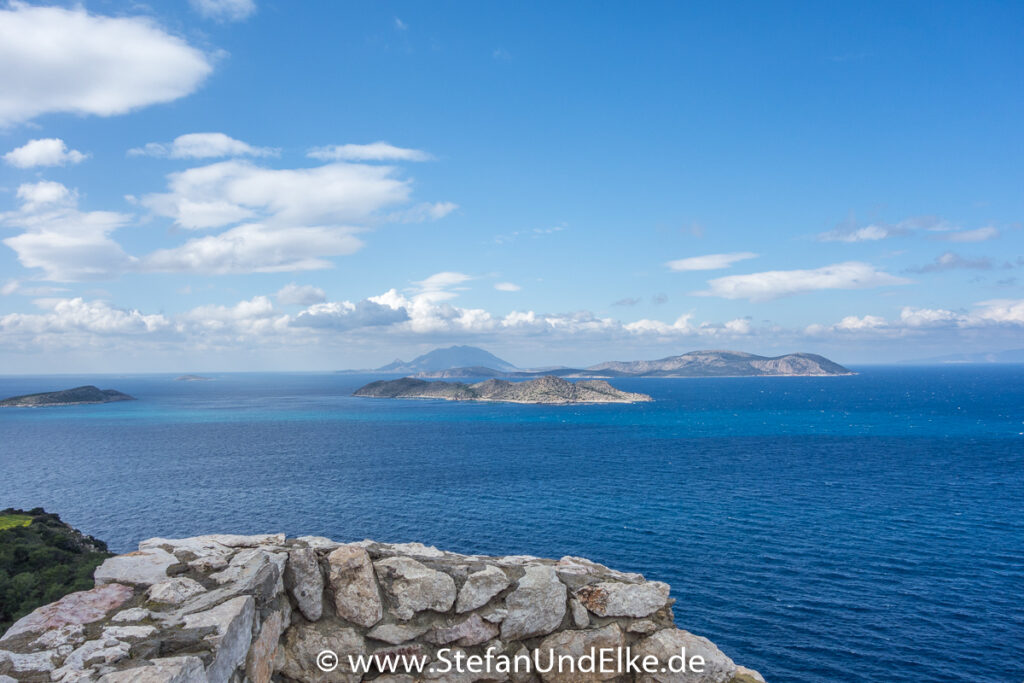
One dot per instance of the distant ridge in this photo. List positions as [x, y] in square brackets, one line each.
[451, 357]
[1011, 356]
[691, 364]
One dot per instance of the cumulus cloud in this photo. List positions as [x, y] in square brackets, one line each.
[230, 191]
[44, 152]
[375, 151]
[68, 60]
[224, 10]
[952, 261]
[255, 248]
[710, 261]
[507, 287]
[79, 316]
[300, 295]
[345, 315]
[201, 146]
[773, 284]
[977, 235]
[66, 243]
[991, 314]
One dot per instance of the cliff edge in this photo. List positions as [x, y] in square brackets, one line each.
[265, 608]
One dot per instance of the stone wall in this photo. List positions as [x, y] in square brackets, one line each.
[264, 608]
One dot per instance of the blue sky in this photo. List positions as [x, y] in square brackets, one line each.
[236, 184]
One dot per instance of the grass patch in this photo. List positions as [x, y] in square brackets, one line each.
[9, 521]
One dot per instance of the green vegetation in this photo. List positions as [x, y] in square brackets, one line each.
[8, 521]
[42, 559]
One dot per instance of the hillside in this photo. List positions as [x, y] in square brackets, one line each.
[550, 390]
[41, 560]
[66, 397]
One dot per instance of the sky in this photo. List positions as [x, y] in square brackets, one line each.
[242, 185]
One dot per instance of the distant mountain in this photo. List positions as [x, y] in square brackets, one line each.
[445, 359]
[67, 397]
[1011, 356]
[692, 364]
[548, 390]
[723, 364]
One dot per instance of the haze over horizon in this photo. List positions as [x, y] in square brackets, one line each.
[558, 184]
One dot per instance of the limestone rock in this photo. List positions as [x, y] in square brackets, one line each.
[580, 617]
[142, 567]
[305, 582]
[83, 607]
[643, 626]
[480, 587]
[576, 644]
[745, 675]
[233, 623]
[671, 642]
[536, 606]
[469, 632]
[174, 591]
[415, 587]
[100, 651]
[356, 596]
[396, 634]
[297, 656]
[254, 571]
[609, 599]
[128, 616]
[259, 664]
[166, 670]
[39, 662]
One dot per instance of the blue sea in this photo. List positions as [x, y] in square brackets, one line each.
[863, 528]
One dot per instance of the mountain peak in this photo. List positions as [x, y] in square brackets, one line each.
[447, 358]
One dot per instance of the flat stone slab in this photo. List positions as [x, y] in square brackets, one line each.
[83, 607]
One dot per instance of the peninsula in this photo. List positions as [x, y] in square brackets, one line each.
[66, 397]
[548, 389]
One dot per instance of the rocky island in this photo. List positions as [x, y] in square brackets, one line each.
[548, 389]
[68, 397]
[220, 608]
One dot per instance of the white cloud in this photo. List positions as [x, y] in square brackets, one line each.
[773, 284]
[952, 261]
[426, 211]
[985, 315]
[977, 235]
[68, 60]
[78, 315]
[44, 152]
[229, 191]
[66, 243]
[710, 261]
[201, 146]
[400, 25]
[224, 10]
[375, 151]
[507, 287]
[255, 248]
[440, 283]
[1001, 311]
[868, 233]
[300, 295]
[345, 315]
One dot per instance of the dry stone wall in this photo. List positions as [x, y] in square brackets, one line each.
[214, 609]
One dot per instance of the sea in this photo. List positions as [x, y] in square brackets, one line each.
[859, 528]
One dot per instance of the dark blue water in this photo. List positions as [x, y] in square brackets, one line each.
[866, 528]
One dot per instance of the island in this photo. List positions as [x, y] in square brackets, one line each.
[547, 390]
[192, 378]
[68, 397]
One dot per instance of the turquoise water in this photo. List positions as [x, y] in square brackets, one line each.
[865, 528]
